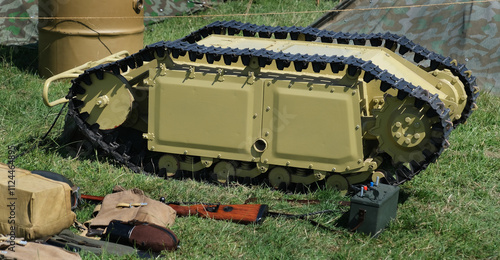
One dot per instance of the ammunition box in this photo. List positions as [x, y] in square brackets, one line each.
[372, 210]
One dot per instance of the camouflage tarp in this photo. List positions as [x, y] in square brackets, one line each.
[24, 31]
[16, 31]
[468, 32]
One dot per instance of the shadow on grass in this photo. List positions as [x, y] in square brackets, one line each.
[24, 57]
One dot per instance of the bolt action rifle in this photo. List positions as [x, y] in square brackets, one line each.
[238, 213]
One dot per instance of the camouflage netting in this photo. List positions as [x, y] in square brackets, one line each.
[24, 31]
[468, 32]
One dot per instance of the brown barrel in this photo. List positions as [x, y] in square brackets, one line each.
[72, 32]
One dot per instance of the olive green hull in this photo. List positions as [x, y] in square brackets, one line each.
[231, 108]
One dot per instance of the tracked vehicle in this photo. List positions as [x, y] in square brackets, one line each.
[290, 106]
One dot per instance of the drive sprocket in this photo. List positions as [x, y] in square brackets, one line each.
[404, 131]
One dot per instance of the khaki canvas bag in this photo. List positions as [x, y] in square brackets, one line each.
[145, 209]
[32, 206]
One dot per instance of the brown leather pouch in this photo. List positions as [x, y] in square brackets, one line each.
[142, 235]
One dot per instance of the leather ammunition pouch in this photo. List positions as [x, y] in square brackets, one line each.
[142, 235]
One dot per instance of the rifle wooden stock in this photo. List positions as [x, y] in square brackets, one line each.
[242, 213]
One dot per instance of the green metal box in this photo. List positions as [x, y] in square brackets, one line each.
[373, 209]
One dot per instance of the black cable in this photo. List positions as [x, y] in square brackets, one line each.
[86, 26]
[36, 144]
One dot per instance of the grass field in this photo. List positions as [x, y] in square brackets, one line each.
[451, 210]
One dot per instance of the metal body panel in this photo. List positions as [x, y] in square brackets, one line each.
[312, 126]
[204, 117]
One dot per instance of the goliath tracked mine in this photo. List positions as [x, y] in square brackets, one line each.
[289, 106]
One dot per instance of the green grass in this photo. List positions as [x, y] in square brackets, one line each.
[451, 210]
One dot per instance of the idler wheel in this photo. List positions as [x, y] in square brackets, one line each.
[107, 101]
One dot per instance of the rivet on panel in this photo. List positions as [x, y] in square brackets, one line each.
[310, 166]
[266, 160]
[287, 163]
[268, 108]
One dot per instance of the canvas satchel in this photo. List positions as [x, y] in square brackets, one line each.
[33, 206]
[132, 205]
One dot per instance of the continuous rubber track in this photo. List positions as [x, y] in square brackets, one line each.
[136, 156]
